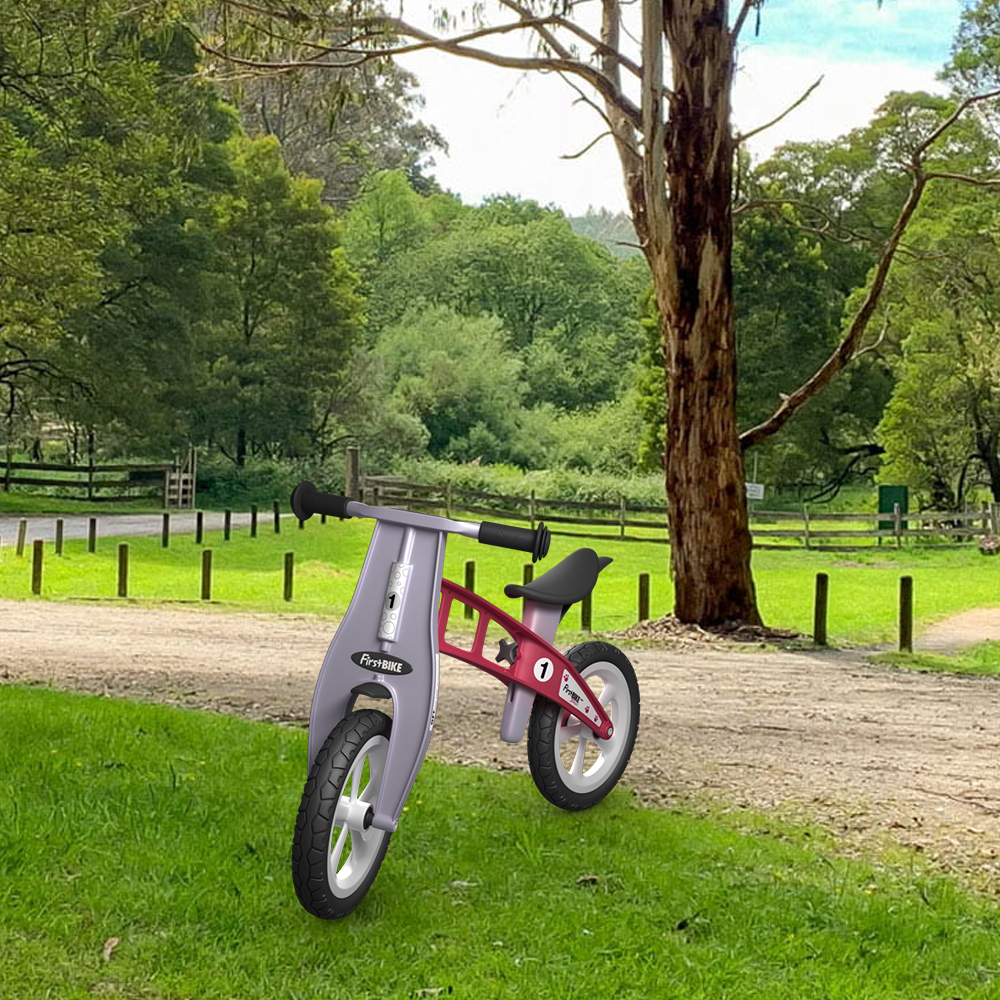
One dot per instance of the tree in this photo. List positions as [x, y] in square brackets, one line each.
[343, 127]
[676, 146]
[284, 310]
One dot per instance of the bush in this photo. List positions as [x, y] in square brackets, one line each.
[222, 484]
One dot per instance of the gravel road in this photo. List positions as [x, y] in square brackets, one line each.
[869, 751]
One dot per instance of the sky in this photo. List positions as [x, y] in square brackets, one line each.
[508, 131]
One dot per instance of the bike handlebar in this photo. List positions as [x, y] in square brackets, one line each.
[307, 500]
[535, 541]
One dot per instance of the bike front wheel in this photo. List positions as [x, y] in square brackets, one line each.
[337, 853]
[570, 767]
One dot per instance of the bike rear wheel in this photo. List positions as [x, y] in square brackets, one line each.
[570, 767]
[336, 853]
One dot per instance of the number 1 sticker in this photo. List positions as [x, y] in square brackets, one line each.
[543, 669]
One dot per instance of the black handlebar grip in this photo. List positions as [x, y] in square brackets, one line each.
[522, 539]
[307, 500]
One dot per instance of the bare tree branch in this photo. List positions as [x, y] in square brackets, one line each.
[847, 349]
[354, 56]
[987, 182]
[586, 149]
[742, 137]
[748, 5]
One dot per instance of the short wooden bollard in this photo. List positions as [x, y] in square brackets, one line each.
[302, 523]
[228, 525]
[470, 584]
[527, 575]
[253, 520]
[59, 536]
[277, 518]
[199, 530]
[92, 535]
[289, 574]
[123, 569]
[165, 532]
[586, 607]
[206, 574]
[36, 566]
[22, 533]
[644, 597]
[906, 614]
[322, 519]
[820, 609]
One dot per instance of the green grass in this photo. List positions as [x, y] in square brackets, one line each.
[248, 574]
[983, 659]
[170, 830]
[16, 503]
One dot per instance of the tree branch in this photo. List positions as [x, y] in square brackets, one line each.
[748, 5]
[848, 347]
[743, 136]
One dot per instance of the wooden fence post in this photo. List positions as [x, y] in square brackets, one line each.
[59, 536]
[805, 518]
[165, 532]
[206, 574]
[123, 569]
[351, 473]
[621, 516]
[897, 525]
[22, 532]
[92, 535]
[253, 520]
[995, 517]
[643, 597]
[585, 612]
[199, 531]
[289, 573]
[277, 518]
[36, 566]
[906, 614]
[470, 584]
[228, 528]
[820, 609]
[447, 500]
[527, 575]
[531, 509]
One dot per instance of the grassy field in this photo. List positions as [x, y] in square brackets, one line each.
[983, 659]
[248, 572]
[38, 503]
[170, 832]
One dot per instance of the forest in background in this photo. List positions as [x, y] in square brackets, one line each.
[267, 268]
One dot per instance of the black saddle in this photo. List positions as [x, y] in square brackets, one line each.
[566, 583]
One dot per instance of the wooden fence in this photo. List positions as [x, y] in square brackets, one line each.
[808, 529]
[173, 484]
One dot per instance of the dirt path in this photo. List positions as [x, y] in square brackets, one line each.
[865, 750]
[959, 631]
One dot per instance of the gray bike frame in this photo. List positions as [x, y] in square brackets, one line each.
[395, 611]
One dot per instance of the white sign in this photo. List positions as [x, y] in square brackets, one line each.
[755, 491]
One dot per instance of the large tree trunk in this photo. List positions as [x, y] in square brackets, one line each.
[692, 275]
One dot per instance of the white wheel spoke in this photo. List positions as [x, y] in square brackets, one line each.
[577, 768]
[568, 731]
[338, 848]
[340, 813]
[607, 694]
[359, 766]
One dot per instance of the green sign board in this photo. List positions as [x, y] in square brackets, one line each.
[888, 497]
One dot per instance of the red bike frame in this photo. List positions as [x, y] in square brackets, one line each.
[562, 684]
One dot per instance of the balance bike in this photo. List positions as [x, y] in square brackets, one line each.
[581, 708]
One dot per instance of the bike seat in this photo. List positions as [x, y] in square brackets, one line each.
[566, 583]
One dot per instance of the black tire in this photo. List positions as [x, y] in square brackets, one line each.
[548, 770]
[314, 825]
